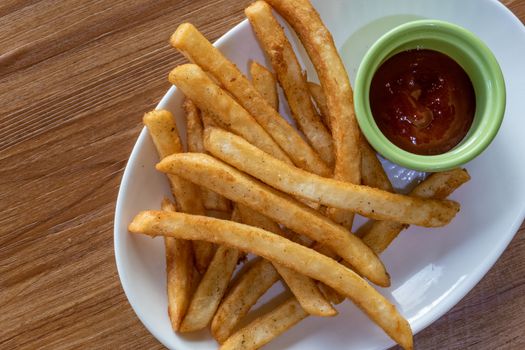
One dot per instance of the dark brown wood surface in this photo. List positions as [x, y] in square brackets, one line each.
[75, 78]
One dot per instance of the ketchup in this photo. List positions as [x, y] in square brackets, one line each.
[422, 101]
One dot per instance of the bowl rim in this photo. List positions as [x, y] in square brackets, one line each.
[473, 144]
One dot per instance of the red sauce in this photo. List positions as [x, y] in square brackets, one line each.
[423, 101]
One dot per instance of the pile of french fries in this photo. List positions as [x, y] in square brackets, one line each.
[251, 183]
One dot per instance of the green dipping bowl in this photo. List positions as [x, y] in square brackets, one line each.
[471, 54]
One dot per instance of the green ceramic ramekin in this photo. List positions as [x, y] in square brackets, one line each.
[471, 54]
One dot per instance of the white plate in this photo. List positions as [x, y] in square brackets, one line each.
[431, 269]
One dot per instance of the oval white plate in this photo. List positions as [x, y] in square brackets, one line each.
[431, 269]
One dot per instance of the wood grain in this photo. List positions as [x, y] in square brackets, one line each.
[75, 78]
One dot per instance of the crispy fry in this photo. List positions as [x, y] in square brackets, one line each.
[441, 185]
[328, 292]
[179, 273]
[210, 98]
[367, 201]
[282, 251]
[211, 200]
[438, 185]
[250, 286]
[302, 287]
[238, 187]
[316, 91]
[211, 288]
[193, 127]
[321, 49]
[264, 82]
[209, 121]
[267, 327]
[372, 171]
[165, 136]
[306, 292]
[289, 72]
[199, 50]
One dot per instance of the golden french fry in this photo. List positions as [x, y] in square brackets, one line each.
[441, 185]
[332, 74]
[267, 327]
[367, 201]
[289, 72]
[316, 91]
[306, 292]
[238, 187]
[302, 287]
[209, 121]
[165, 136]
[372, 172]
[329, 293]
[438, 185]
[193, 127]
[321, 49]
[264, 82]
[249, 287]
[211, 200]
[179, 273]
[188, 40]
[282, 251]
[211, 288]
[209, 97]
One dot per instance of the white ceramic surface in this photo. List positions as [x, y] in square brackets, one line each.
[431, 269]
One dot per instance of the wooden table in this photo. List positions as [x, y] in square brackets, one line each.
[75, 78]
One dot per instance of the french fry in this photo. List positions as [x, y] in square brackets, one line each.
[306, 292]
[212, 201]
[188, 40]
[289, 72]
[240, 188]
[267, 327]
[371, 202]
[302, 287]
[316, 91]
[332, 74]
[209, 121]
[441, 185]
[250, 286]
[193, 127]
[165, 136]
[282, 251]
[209, 97]
[179, 273]
[264, 82]
[328, 292]
[343, 217]
[438, 185]
[372, 172]
[211, 288]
